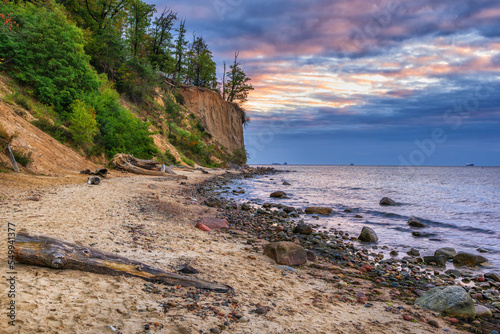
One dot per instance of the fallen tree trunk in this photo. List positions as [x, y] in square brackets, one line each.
[56, 253]
[11, 156]
[131, 164]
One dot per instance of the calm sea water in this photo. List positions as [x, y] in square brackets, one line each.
[459, 205]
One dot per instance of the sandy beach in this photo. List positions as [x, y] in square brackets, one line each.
[152, 220]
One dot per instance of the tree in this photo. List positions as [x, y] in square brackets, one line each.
[237, 87]
[161, 41]
[201, 69]
[102, 12]
[180, 48]
[83, 125]
[139, 19]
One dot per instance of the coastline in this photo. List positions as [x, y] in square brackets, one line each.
[152, 220]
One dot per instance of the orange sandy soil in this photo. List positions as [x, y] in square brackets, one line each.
[151, 219]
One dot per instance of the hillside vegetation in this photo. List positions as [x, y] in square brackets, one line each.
[103, 76]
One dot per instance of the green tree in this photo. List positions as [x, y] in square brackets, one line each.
[180, 49]
[139, 19]
[201, 69]
[161, 42]
[83, 125]
[236, 88]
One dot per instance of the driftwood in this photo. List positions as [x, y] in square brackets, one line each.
[131, 164]
[11, 155]
[56, 253]
[102, 172]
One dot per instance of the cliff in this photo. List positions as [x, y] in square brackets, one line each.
[223, 120]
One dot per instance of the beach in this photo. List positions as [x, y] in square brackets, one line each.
[152, 219]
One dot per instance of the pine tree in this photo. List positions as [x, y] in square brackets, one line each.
[236, 87]
[201, 69]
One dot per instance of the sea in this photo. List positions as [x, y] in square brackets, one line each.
[459, 205]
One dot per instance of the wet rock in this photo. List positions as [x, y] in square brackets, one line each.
[483, 311]
[368, 235]
[439, 260]
[318, 210]
[447, 252]
[286, 183]
[289, 209]
[453, 272]
[358, 216]
[214, 223]
[348, 210]
[387, 201]
[239, 191]
[213, 202]
[394, 253]
[453, 301]
[246, 207]
[494, 276]
[278, 194]
[311, 256]
[413, 252]
[302, 229]
[414, 222]
[482, 250]
[468, 259]
[286, 253]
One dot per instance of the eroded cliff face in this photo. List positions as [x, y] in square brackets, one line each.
[223, 120]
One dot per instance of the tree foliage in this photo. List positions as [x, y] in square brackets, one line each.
[236, 88]
[201, 69]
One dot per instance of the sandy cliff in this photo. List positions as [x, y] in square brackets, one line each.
[223, 120]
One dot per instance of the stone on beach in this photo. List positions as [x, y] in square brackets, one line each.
[447, 252]
[483, 311]
[413, 252]
[289, 209]
[286, 253]
[387, 201]
[439, 260]
[368, 235]
[214, 223]
[202, 227]
[213, 202]
[453, 301]
[494, 276]
[468, 259]
[414, 222]
[302, 229]
[278, 194]
[318, 210]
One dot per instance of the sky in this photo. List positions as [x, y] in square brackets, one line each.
[368, 82]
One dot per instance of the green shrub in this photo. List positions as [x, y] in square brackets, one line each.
[59, 133]
[188, 161]
[83, 126]
[22, 157]
[238, 157]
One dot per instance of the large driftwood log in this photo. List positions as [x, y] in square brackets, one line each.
[131, 164]
[56, 253]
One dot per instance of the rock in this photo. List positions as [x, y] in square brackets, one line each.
[358, 216]
[453, 272]
[494, 276]
[311, 256]
[302, 229]
[468, 259]
[214, 223]
[278, 194]
[453, 301]
[439, 260]
[348, 210]
[187, 269]
[433, 323]
[318, 210]
[240, 191]
[414, 222]
[246, 207]
[394, 253]
[387, 201]
[447, 252]
[286, 253]
[202, 227]
[413, 252]
[213, 202]
[483, 311]
[482, 250]
[94, 180]
[407, 317]
[289, 209]
[367, 235]
[286, 183]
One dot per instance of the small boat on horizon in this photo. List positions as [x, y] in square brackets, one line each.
[469, 165]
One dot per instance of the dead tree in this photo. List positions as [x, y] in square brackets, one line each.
[56, 253]
[11, 155]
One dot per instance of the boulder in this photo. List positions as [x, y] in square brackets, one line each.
[318, 210]
[286, 253]
[483, 311]
[453, 301]
[494, 276]
[289, 209]
[214, 223]
[278, 194]
[387, 201]
[414, 222]
[413, 252]
[440, 260]
[202, 227]
[468, 259]
[302, 229]
[213, 202]
[368, 235]
[447, 252]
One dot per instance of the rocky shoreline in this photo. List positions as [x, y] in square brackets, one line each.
[340, 260]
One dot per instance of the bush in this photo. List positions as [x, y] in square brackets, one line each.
[238, 157]
[188, 161]
[58, 132]
[23, 158]
[83, 126]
